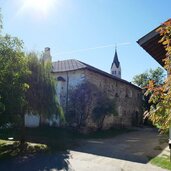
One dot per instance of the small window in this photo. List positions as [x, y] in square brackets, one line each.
[130, 93]
[116, 95]
[60, 78]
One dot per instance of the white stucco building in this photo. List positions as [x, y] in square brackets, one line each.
[70, 73]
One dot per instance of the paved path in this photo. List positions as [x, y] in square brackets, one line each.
[127, 152]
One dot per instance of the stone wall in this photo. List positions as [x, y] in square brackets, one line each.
[128, 100]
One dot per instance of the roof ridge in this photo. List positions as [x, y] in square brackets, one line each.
[107, 74]
[89, 67]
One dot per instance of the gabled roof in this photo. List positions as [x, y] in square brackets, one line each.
[67, 65]
[73, 64]
[115, 60]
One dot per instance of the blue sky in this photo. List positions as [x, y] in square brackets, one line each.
[87, 30]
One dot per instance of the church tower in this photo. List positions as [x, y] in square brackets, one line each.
[116, 67]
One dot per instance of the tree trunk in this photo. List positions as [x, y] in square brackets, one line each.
[100, 125]
[22, 134]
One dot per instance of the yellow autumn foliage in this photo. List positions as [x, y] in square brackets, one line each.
[160, 110]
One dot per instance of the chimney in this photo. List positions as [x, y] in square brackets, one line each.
[46, 55]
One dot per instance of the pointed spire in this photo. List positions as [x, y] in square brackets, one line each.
[116, 67]
[115, 60]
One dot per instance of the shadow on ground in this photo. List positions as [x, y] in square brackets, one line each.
[137, 146]
[38, 162]
[35, 158]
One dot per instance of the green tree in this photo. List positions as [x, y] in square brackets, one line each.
[160, 110]
[81, 102]
[26, 84]
[41, 96]
[13, 73]
[104, 107]
[142, 80]
[87, 101]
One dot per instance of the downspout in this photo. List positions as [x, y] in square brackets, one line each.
[66, 107]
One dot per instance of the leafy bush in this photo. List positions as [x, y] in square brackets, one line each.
[88, 101]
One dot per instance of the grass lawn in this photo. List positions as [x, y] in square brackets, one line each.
[11, 148]
[48, 139]
[162, 161]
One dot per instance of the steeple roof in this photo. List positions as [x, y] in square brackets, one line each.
[115, 60]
